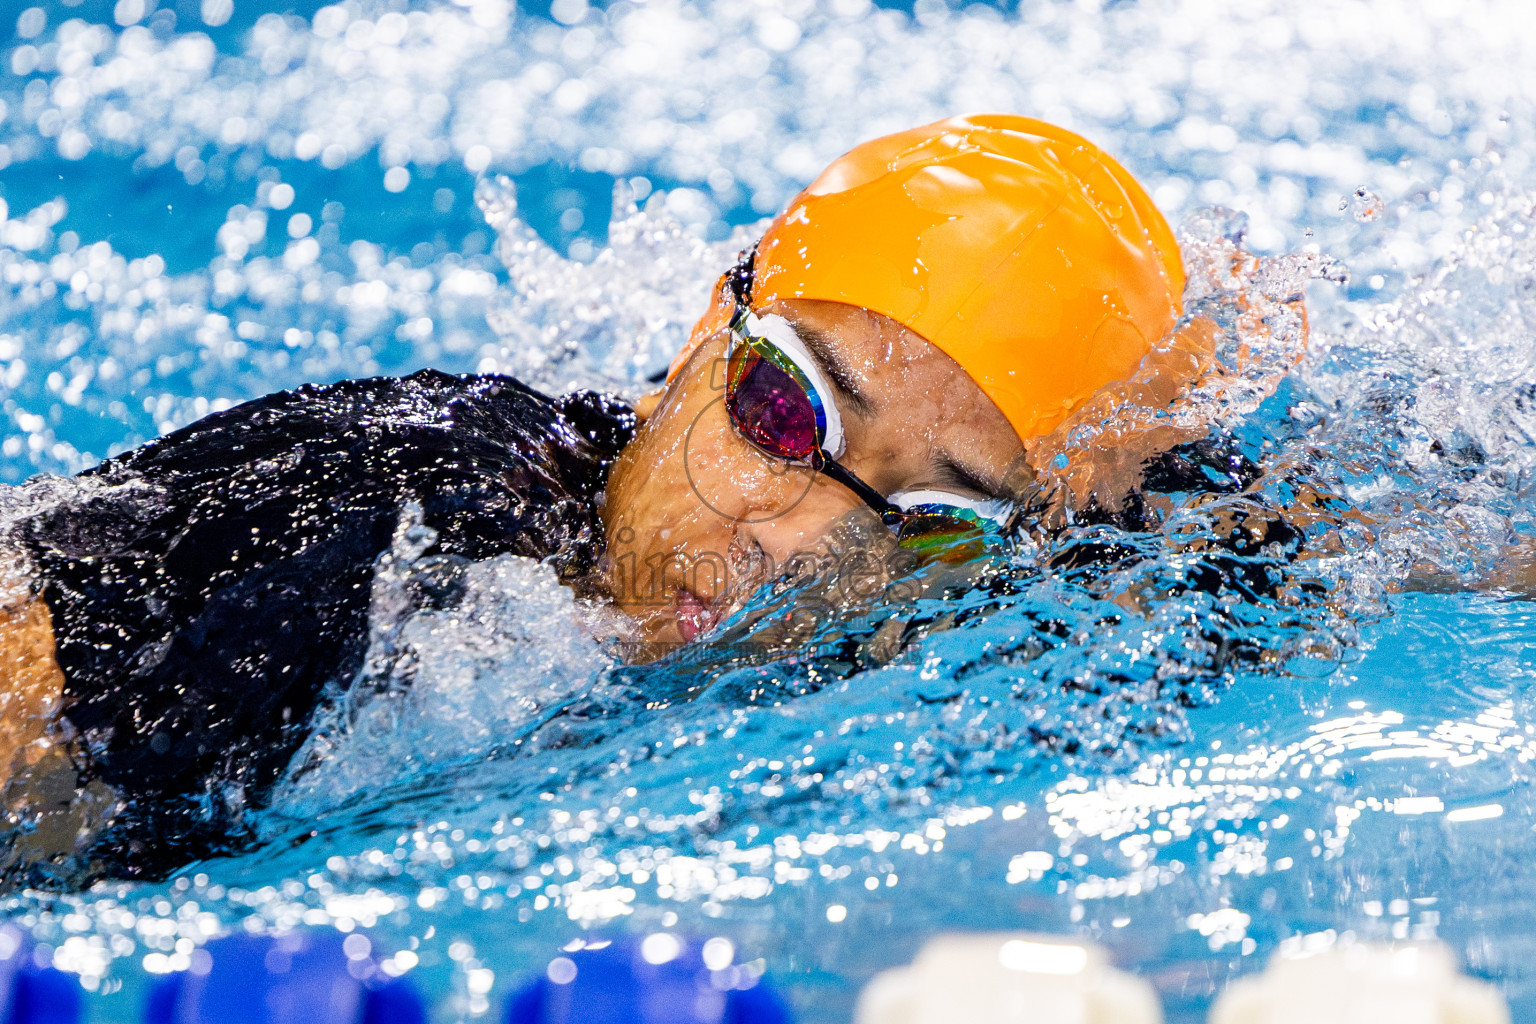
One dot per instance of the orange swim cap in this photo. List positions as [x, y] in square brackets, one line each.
[1022, 251]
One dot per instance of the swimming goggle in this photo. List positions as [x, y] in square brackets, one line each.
[781, 403]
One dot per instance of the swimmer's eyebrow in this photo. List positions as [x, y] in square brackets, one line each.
[835, 370]
[970, 479]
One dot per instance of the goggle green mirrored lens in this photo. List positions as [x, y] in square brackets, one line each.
[946, 535]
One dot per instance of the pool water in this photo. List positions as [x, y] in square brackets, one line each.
[205, 201]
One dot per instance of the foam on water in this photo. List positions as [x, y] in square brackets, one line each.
[1193, 780]
[442, 686]
[613, 322]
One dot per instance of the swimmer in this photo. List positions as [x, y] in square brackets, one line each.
[896, 346]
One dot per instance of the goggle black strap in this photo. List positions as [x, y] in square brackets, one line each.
[871, 497]
[739, 277]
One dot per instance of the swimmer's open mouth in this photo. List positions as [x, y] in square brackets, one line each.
[694, 616]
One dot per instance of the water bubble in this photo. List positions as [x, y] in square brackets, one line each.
[129, 12]
[777, 32]
[572, 95]
[561, 970]
[718, 953]
[568, 12]
[74, 144]
[1365, 205]
[216, 12]
[660, 948]
[31, 22]
[477, 158]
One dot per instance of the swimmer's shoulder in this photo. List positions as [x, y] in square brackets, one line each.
[491, 408]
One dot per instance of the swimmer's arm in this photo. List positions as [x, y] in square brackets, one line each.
[1515, 570]
[31, 684]
[1511, 572]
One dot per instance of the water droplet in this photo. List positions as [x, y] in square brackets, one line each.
[1366, 205]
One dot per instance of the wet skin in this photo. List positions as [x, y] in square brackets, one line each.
[695, 516]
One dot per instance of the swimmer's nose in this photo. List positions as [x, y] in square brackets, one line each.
[801, 530]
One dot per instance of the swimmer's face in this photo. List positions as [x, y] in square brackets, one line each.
[696, 516]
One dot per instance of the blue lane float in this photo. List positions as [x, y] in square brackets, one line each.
[661, 979]
[32, 992]
[298, 978]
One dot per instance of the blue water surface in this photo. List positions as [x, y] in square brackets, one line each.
[204, 202]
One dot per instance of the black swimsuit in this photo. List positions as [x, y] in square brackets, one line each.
[206, 588]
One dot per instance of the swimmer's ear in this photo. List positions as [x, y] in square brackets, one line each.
[647, 403]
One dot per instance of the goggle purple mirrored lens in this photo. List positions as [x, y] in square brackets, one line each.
[769, 407]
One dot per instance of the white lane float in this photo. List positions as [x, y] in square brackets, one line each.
[1008, 978]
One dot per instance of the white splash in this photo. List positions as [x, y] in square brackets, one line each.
[613, 321]
[448, 678]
